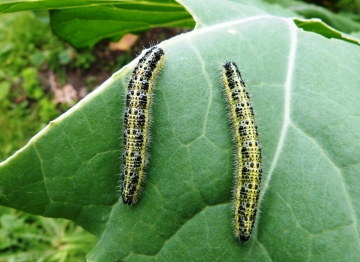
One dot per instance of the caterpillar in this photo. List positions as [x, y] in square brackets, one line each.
[248, 171]
[136, 122]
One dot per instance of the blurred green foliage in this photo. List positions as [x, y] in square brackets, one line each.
[31, 84]
[350, 6]
[27, 50]
[26, 237]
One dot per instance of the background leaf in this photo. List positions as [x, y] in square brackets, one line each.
[341, 21]
[86, 26]
[8, 6]
[83, 23]
[317, 26]
[305, 91]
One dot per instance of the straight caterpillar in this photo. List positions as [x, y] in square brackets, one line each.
[136, 122]
[248, 172]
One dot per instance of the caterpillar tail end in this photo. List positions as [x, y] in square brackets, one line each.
[244, 238]
[128, 200]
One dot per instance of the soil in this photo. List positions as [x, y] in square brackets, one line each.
[107, 62]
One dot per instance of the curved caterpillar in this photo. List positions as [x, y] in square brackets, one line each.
[136, 122]
[248, 173]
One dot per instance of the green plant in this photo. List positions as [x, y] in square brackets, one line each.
[28, 47]
[24, 40]
[31, 83]
[304, 87]
[347, 23]
[47, 110]
[350, 5]
[33, 238]
[27, 43]
[4, 92]
[28, 51]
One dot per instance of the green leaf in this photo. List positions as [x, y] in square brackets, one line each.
[9, 6]
[317, 26]
[339, 21]
[305, 92]
[343, 22]
[83, 27]
[83, 23]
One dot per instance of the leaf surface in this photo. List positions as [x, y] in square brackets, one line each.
[305, 92]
